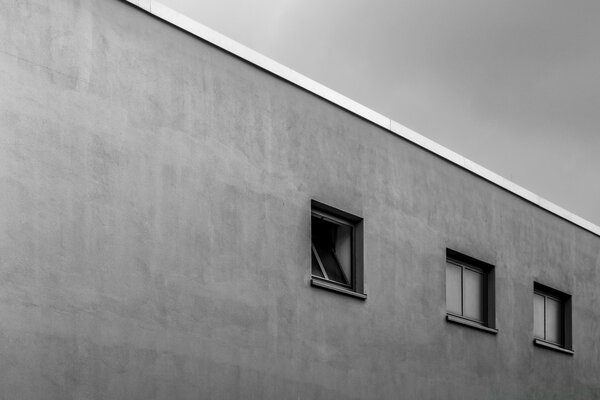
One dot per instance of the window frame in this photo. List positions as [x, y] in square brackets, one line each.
[355, 286]
[565, 300]
[488, 321]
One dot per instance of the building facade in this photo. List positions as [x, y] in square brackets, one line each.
[181, 218]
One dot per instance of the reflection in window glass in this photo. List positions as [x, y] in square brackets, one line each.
[472, 294]
[549, 316]
[553, 320]
[466, 293]
[453, 288]
[538, 315]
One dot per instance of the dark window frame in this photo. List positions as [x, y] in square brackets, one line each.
[565, 300]
[355, 285]
[488, 305]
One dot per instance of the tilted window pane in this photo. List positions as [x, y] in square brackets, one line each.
[538, 316]
[553, 321]
[343, 248]
[324, 238]
[453, 291]
[472, 294]
[316, 268]
[330, 263]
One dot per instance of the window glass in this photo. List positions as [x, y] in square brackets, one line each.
[538, 315]
[553, 320]
[324, 239]
[316, 268]
[453, 288]
[330, 263]
[343, 248]
[472, 294]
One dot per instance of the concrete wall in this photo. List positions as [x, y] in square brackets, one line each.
[155, 242]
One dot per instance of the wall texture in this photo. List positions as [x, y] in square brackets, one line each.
[155, 242]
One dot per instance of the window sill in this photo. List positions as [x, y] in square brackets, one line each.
[552, 346]
[334, 288]
[462, 321]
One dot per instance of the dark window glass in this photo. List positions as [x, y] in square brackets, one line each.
[317, 269]
[332, 250]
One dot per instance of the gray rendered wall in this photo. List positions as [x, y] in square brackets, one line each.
[154, 234]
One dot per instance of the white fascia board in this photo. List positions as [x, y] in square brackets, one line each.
[197, 29]
[145, 4]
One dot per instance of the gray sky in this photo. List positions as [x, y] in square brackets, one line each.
[513, 85]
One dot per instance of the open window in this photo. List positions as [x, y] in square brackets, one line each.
[336, 250]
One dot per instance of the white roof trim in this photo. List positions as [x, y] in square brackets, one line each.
[173, 17]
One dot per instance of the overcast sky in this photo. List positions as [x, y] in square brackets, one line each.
[513, 85]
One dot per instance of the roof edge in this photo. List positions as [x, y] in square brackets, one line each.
[181, 21]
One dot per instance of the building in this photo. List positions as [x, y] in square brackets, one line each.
[182, 218]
